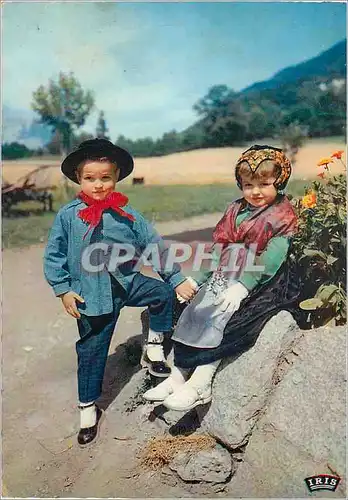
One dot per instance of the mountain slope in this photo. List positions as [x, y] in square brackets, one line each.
[330, 63]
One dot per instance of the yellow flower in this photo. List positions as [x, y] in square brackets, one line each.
[324, 161]
[309, 200]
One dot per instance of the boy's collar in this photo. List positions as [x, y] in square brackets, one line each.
[92, 214]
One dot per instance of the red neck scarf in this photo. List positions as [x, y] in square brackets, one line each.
[278, 219]
[93, 213]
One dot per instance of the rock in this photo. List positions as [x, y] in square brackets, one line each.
[169, 476]
[242, 387]
[179, 422]
[169, 417]
[238, 456]
[302, 433]
[211, 466]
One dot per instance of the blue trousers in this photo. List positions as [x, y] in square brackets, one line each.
[96, 331]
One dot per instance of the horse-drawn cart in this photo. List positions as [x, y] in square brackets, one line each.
[35, 186]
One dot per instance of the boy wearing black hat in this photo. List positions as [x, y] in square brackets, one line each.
[85, 230]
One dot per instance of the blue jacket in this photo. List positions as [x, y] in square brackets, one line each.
[67, 253]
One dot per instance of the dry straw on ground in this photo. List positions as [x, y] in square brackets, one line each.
[161, 450]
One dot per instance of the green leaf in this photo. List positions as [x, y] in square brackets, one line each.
[342, 213]
[325, 293]
[311, 304]
[314, 253]
[331, 259]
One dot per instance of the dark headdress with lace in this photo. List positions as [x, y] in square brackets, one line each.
[254, 157]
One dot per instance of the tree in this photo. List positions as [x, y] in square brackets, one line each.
[229, 131]
[293, 136]
[102, 129]
[215, 102]
[193, 138]
[125, 143]
[143, 147]
[54, 146]
[15, 150]
[64, 106]
[257, 123]
[169, 143]
[77, 139]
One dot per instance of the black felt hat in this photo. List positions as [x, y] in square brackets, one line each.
[94, 149]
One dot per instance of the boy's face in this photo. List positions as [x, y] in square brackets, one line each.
[98, 179]
[259, 192]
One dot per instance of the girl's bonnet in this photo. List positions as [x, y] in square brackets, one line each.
[255, 155]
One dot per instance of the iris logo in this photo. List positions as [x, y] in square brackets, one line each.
[322, 482]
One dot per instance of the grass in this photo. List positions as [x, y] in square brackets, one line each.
[29, 226]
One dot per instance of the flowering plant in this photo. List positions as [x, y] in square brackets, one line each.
[320, 247]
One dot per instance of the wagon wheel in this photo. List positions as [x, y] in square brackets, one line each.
[6, 203]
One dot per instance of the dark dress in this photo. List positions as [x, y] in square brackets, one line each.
[282, 292]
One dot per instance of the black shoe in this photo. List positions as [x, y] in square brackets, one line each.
[155, 368]
[88, 435]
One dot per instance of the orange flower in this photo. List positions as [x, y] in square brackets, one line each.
[337, 154]
[322, 175]
[324, 161]
[309, 200]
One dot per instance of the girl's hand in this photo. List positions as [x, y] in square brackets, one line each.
[186, 290]
[231, 298]
[69, 302]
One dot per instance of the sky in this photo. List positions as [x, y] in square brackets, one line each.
[148, 63]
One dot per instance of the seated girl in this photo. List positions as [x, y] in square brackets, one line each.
[229, 311]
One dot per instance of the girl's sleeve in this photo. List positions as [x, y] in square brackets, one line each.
[203, 275]
[55, 257]
[271, 259]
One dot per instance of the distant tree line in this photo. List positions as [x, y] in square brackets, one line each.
[225, 118]
[13, 150]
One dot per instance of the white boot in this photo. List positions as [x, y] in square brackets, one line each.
[176, 380]
[153, 357]
[196, 391]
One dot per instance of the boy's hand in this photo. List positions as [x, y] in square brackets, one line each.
[186, 290]
[69, 302]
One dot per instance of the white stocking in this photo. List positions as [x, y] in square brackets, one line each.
[203, 375]
[154, 349]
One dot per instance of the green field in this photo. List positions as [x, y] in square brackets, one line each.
[29, 226]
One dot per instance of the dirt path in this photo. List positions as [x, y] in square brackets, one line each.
[40, 419]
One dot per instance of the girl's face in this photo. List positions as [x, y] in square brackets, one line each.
[259, 192]
[98, 179]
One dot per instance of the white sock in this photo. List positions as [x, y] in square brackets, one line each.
[204, 374]
[154, 350]
[88, 415]
[156, 337]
